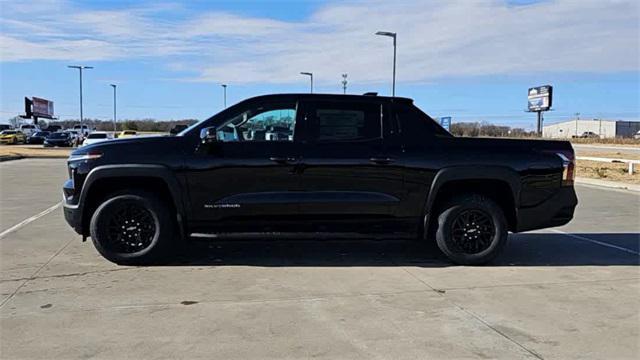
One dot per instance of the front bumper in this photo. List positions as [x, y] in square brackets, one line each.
[73, 217]
[555, 211]
[72, 212]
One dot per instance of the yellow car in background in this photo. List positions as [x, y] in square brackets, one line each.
[12, 137]
[126, 133]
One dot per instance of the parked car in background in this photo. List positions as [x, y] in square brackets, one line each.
[12, 137]
[62, 139]
[53, 128]
[96, 137]
[76, 136]
[177, 129]
[29, 129]
[637, 135]
[589, 135]
[38, 137]
[4, 127]
[126, 133]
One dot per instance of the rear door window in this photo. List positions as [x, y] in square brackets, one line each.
[344, 121]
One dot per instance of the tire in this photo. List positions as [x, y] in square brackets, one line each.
[133, 228]
[472, 229]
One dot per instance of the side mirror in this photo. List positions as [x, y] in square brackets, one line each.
[208, 135]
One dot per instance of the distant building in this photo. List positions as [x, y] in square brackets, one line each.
[602, 128]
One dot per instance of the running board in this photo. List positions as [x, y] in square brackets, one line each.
[297, 235]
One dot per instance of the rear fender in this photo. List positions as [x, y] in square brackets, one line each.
[458, 173]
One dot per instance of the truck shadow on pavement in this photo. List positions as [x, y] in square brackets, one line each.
[529, 249]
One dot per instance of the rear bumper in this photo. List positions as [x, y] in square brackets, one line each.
[555, 211]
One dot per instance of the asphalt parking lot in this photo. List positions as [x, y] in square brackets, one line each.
[569, 292]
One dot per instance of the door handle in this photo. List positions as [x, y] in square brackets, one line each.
[381, 161]
[282, 159]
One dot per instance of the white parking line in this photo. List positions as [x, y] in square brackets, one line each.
[601, 243]
[31, 219]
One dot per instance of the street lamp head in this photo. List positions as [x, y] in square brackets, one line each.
[223, 85]
[306, 73]
[386, 33]
[79, 67]
[113, 85]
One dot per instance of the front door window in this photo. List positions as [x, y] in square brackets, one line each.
[274, 123]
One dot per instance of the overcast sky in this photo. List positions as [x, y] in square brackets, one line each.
[472, 60]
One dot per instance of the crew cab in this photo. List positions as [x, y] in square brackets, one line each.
[316, 165]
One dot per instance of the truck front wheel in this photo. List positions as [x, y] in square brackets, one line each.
[472, 229]
[133, 228]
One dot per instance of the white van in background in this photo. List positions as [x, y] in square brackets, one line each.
[82, 129]
[29, 129]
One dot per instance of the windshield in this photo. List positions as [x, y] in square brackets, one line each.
[59, 136]
[41, 133]
[97, 136]
[27, 127]
[8, 132]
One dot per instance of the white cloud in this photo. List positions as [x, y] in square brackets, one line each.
[435, 39]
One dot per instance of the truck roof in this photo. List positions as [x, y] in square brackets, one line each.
[330, 97]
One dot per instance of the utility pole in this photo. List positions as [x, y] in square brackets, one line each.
[115, 120]
[540, 119]
[394, 36]
[311, 77]
[80, 68]
[344, 83]
[224, 87]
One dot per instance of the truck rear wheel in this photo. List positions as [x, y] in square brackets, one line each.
[133, 228]
[472, 229]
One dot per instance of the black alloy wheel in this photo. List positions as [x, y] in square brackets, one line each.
[471, 229]
[134, 227]
[131, 228]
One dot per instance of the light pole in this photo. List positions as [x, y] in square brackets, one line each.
[311, 76]
[344, 83]
[80, 67]
[115, 120]
[224, 87]
[393, 35]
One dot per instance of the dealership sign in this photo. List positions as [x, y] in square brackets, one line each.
[42, 108]
[540, 98]
[445, 122]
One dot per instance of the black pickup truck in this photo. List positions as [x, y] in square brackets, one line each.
[316, 165]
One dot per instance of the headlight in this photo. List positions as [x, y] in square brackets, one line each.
[92, 155]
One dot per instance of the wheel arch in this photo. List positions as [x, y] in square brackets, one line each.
[499, 183]
[107, 179]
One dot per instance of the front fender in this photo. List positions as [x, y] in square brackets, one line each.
[136, 170]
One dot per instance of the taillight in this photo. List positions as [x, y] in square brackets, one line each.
[568, 167]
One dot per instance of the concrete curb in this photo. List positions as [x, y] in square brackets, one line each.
[20, 157]
[608, 184]
[10, 157]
